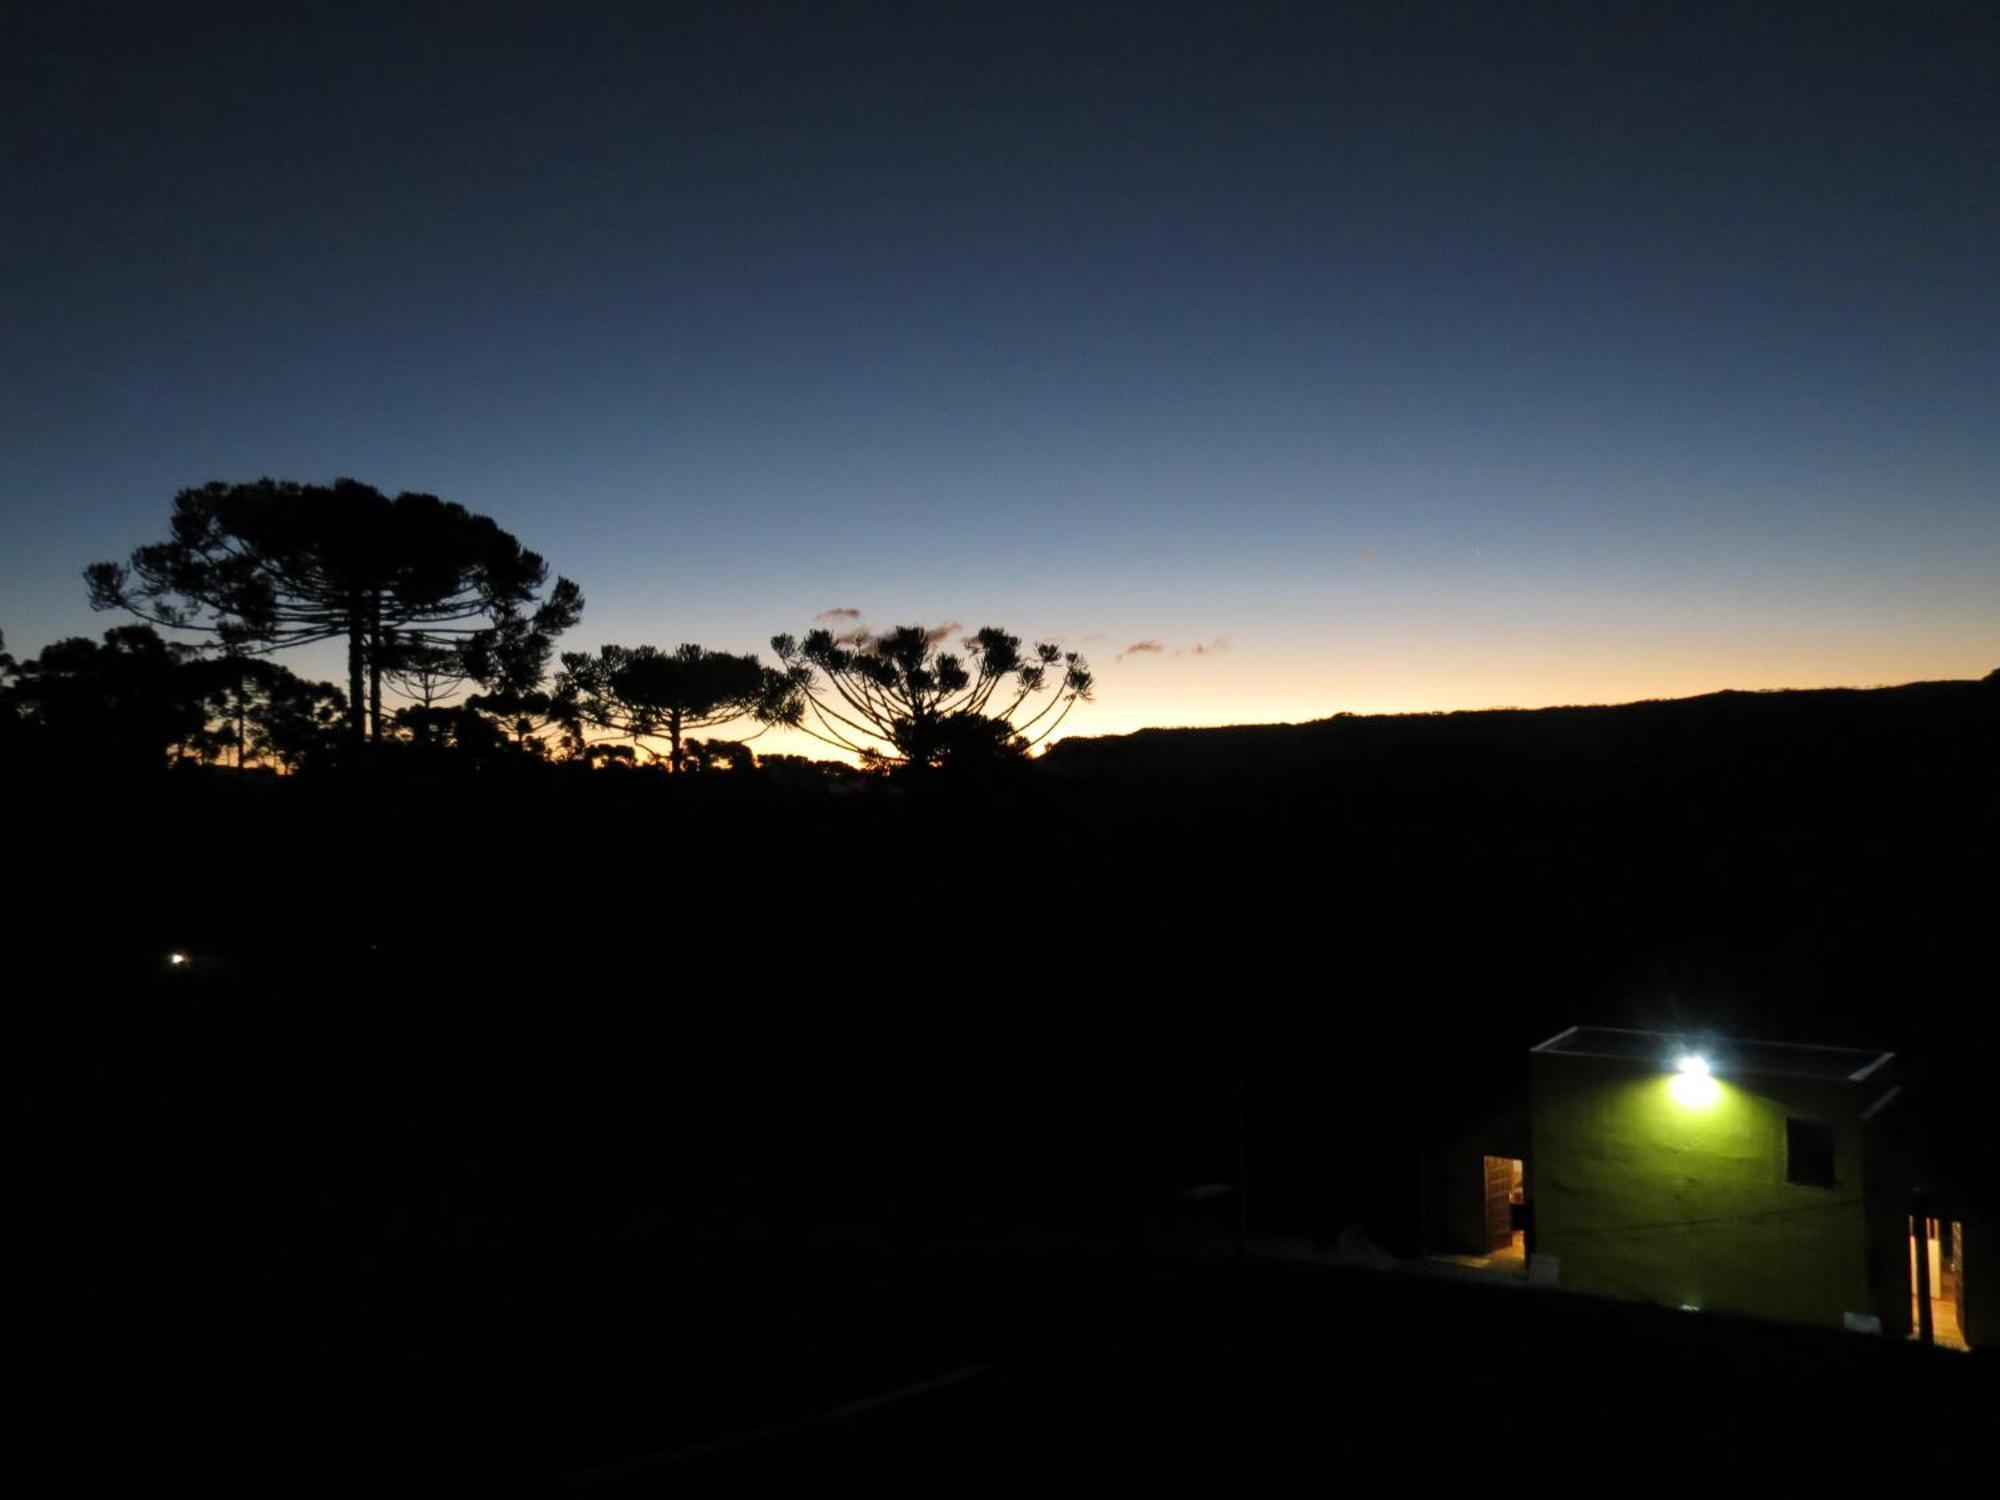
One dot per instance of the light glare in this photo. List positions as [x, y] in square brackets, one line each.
[1693, 1087]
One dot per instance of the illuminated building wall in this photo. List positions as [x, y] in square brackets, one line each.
[1651, 1184]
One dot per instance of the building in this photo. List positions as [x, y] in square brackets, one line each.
[1748, 1177]
[1758, 1178]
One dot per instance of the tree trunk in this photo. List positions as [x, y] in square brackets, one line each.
[375, 665]
[357, 706]
[674, 740]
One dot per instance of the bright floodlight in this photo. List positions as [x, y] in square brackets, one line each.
[177, 959]
[1692, 1086]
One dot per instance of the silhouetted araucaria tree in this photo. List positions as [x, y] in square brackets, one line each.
[265, 566]
[138, 701]
[258, 711]
[127, 702]
[646, 693]
[902, 699]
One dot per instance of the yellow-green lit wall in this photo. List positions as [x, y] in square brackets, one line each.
[1640, 1193]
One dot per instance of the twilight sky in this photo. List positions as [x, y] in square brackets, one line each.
[1287, 359]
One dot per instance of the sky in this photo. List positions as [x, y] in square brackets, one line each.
[1286, 360]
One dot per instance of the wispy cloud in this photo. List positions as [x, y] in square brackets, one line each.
[1155, 647]
[843, 613]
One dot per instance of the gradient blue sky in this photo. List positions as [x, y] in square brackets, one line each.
[1403, 356]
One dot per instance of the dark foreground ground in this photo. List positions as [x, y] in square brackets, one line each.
[610, 1340]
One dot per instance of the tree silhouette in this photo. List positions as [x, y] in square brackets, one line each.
[511, 663]
[430, 676]
[10, 710]
[298, 717]
[718, 755]
[135, 699]
[257, 710]
[902, 699]
[126, 701]
[266, 566]
[645, 693]
[426, 674]
[457, 727]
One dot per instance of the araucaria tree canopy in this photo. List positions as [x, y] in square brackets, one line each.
[904, 699]
[138, 701]
[647, 693]
[265, 566]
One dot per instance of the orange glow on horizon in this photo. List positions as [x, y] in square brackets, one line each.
[1233, 691]
[1294, 681]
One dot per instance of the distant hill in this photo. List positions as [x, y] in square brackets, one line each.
[1717, 724]
[1813, 864]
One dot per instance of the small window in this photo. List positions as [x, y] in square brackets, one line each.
[1808, 1153]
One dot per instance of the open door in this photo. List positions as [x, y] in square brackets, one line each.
[1503, 1193]
[1943, 1250]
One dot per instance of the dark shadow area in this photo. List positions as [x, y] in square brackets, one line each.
[505, 1119]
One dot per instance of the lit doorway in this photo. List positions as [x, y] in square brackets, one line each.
[1944, 1243]
[1506, 1199]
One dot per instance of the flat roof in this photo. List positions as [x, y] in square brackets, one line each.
[1724, 1055]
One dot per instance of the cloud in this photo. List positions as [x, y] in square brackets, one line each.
[1152, 646]
[843, 613]
[937, 635]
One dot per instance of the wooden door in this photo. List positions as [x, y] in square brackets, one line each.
[1499, 1200]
